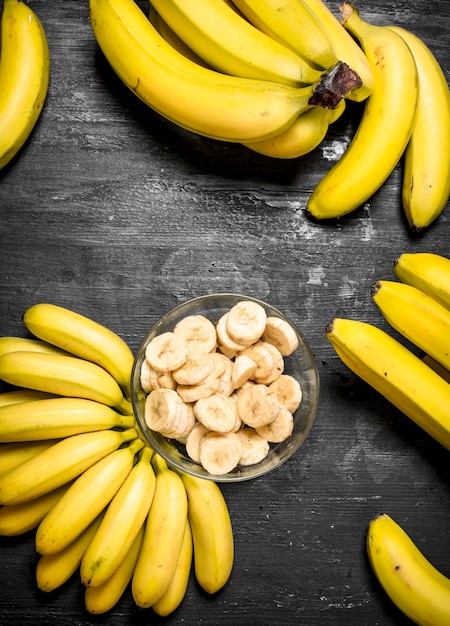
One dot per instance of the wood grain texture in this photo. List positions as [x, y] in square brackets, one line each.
[120, 215]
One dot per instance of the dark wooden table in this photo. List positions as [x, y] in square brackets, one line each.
[118, 214]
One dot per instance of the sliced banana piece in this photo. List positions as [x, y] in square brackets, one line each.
[280, 428]
[194, 439]
[220, 452]
[167, 352]
[226, 344]
[280, 333]
[260, 354]
[243, 369]
[254, 447]
[277, 368]
[199, 333]
[152, 379]
[226, 377]
[195, 370]
[288, 391]
[246, 322]
[217, 412]
[257, 406]
[163, 410]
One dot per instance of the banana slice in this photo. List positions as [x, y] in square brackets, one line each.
[152, 379]
[167, 352]
[163, 410]
[263, 357]
[187, 423]
[257, 406]
[220, 452]
[280, 334]
[277, 368]
[226, 378]
[199, 333]
[280, 428]
[288, 391]
[226, 344]
[217, 412]
[192, 393]
[246, 322]
[195, 370]
[243, 368]
[194, 439]
[254, 447]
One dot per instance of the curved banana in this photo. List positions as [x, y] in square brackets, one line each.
[104, 597]
[83, 337]
[396, 373]
[293, 24]
[53, 570]
[426, 175]
[345, 48]
[302, 137]
[428, 272]
[18, 396]
[63, 375]
[16, 519]
[59, 464]
[163, 537]
[56, 418]
[212, 532]
[416, 316]
[86, 498]
[24, 76]
[123, 519]
[18, 344]
[176, 591]
[232, 45]
[415, 586]
[13, 454]
[203, 101]
[385, 127]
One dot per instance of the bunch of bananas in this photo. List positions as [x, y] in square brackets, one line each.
[24, 76]
[418, 307]
[74, 468]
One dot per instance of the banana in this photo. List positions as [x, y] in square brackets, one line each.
[426, 174]
[385, 126]
[24, 76]
[83, 337]
[203, 101]
[302, 136]
[220, 453]
[278, 429]
[415, 586]
[280, 334]
[56, 418]
[176, 591]
[18, 396]
[167, 352]
[13, 454]
[217, 413]
[59, 464]
[20, 344]
[246, 322]
[428, 272]
[293, 24]
[243, 369]
[121, 524]
[396, 373]
[163, 537]
[63, 375]
[232, 45]
[16, 519]
[288, 391]
[254, 448]
[212, 532]
[104, 597]
[345, 48]
[416, 316]
[199, 332]
[86, 498]
[53, 570]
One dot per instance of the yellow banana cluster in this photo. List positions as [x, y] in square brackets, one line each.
[24, 76]
[75, 469]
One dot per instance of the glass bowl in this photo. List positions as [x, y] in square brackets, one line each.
[300, 364]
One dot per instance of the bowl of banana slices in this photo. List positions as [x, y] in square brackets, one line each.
[225, 387]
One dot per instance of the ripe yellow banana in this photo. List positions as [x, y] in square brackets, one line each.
[17, 344]
[385, 127]
[56, 418]
[345, 48]
[163, 537]
[83, 337]
[426, 176]
[63, 375]
[204, 101]
[85, 499]
[24, 76]
[303, 136]
[53, 570]
[293, 24]
[428, 272]
[415, 586]
[59, 464]
[104, 597]
[176, 591]
[396, 373]
[232, 45]
[123, 520]
[212, 532]
[416, 316]
[23, 395]
[13, 454]
[16, 519]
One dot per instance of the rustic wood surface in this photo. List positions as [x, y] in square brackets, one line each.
[118, 214]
